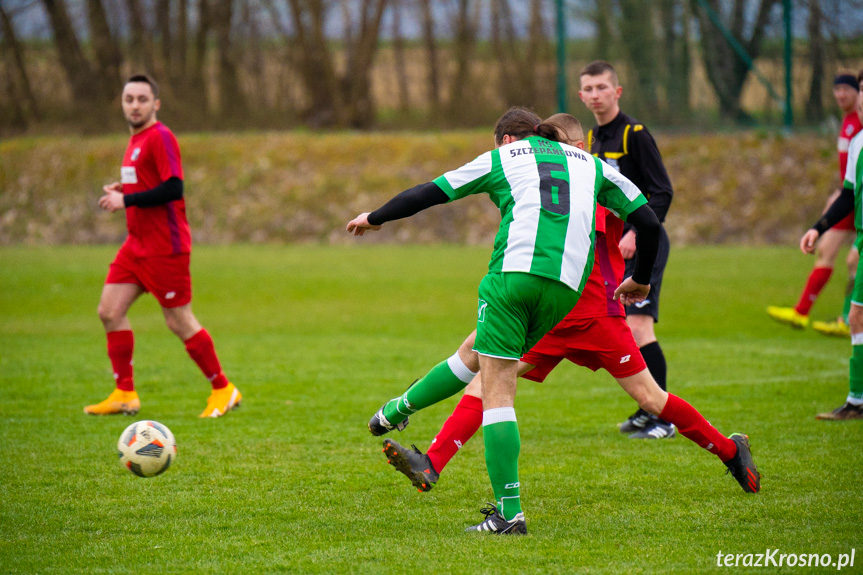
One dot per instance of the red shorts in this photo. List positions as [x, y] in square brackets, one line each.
[604, 342]
[166, 277]
[846, 223]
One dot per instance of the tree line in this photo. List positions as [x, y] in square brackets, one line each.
[362, 63]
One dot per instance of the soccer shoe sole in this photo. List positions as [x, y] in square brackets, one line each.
[798, 322]
[834, 329]
[234, 403]
[401, 463]
[830, 416]
[123, 409]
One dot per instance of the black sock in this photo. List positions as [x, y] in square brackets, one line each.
[655, 360]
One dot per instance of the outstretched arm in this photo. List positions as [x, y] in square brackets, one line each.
[404, 205]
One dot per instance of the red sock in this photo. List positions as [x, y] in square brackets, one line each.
[817, 280]
[456, 431]
[692, 425]
[120, 347]
[201, 349]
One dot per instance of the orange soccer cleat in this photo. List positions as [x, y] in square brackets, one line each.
[221, 401]
[125, 402]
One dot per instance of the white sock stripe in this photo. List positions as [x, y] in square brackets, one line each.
[459, 369]
[857, 339]
[498, 415]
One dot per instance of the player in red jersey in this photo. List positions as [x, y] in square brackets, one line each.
[594, 334]
[845, 91]
[155, 256]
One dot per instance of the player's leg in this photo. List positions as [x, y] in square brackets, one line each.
[168, 278]
[852, 261]
[839, 326]
[114, 304]
[825, 256]
[424, 469]
[641, 318]
[459, 427]
[502, 439]
[199, 345]
[733, 451]
[444, 380]
[645, 338]
[517, 311]
[853, 406]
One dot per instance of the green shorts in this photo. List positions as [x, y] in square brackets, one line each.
[516, 309]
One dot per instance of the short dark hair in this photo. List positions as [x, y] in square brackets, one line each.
[847, 79]
[599, 67]
[520, 123]
[144, 79]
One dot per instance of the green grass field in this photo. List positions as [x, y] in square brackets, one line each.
[318, 337]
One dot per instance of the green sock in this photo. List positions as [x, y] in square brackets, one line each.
[856, 380]
[502, 445]
[444, 380]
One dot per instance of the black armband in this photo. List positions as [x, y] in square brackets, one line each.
[840, 208]
[647, 232]
[168, 191]
[408, 203]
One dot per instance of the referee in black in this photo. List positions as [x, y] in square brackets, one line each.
[625, 144]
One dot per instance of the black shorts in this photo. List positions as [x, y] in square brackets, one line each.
[650, 306]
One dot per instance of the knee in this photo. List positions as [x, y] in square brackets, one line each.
[469, 356]
[650, 397]
[652, 404]
[855, 319]
[108, 314]
[173, 324]
[642, 329]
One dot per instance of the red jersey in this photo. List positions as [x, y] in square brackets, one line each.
[608, 268]
[850, 126]
[153, 157]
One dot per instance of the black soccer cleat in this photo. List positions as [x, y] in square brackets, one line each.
[378, 424]
[842, 413]
[635, 422]
[741, 465]
[495, 523]
[655, 429]
[413, 463]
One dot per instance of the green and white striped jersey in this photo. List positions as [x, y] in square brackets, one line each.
[547, 193]
[854, 180]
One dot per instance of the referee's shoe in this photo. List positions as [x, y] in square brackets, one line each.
[655, 429]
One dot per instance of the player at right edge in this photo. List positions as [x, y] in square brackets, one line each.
[849, 200]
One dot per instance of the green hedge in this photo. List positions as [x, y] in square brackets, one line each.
[304, 187]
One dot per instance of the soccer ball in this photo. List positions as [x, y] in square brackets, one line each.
[147, 448]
